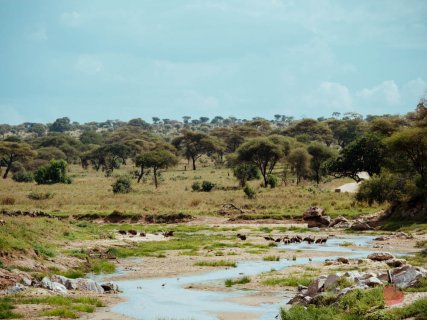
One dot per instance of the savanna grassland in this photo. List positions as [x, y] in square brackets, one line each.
[91, 192]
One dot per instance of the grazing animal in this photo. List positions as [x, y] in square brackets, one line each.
[309, 240]
[268, 238]
[241, 236]
[278, 240]
[321, 240]
[2, 222]
[168, 234]
[133, 232]
[123, 232]
[286, 240]
[142, 234]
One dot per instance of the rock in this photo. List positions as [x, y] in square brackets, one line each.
[404, 235]
[60, 279]
[110, 287]
[82, 284]
[395, 263]
[14, 289]
[361, 261]
[331, 281]
[373, 282]
[338, 221]
[316, 286]
[407, 276]
[381, 238]
[26, 282]
[320, 222]
[298, 299]
[343, 260]
[53, 286]
[313, 212]
[380, 256]
[361, 226]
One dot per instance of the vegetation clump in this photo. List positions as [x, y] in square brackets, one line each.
[54, 172]
[123, 184]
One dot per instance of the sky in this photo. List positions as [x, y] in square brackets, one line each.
[101, 59]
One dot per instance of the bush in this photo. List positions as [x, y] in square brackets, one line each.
[23, 176]
[40, 195]
[272, 181]
[54, 172]
[123, 184]
[249, 192]
[246, 172]
[196, 186]
[207, 186]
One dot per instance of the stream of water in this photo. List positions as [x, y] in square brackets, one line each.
[166, 298]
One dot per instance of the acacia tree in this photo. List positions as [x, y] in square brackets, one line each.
[14, 151]
[300, 161]
[157, 159]
[319, 155]
[195, 144]
[263, 153]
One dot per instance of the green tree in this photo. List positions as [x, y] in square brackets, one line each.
[319, 155]
[11, 152]
[195, 144]
[300, 162]
[157, 159]
[261, 152]
[245, 172]
[91, 137]
[54, 172]
[61, 125]
[366, 153]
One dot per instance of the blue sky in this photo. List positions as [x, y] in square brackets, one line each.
[101, 59]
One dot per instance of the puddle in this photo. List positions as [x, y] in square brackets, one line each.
[166, 298]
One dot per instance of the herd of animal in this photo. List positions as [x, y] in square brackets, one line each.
[291, 239]
[133, 233]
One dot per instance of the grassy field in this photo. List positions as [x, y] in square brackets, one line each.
[91, 192]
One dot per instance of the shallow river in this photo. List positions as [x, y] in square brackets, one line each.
[166, 298]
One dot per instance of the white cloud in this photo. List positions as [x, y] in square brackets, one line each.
[416, 87]
[89, 64]
[331, 95]
[71, 19]
[386, 91]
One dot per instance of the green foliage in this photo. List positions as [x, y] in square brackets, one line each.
[123, 184]
[249, 192]
[54, 172]
[319, 155]
[217, 263]
[230, 282]
[157, 159]
[196, 186]
[245, 172]
[6, 308]
[272, 180]
[271, 258]
[102, 266]
[300, 163]
[207, 186]
[23, 176]
[291, 281]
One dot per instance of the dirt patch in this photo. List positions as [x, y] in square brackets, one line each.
[168, 218]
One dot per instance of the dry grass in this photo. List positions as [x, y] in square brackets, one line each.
[91, 192]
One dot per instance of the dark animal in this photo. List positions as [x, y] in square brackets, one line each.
[123, 232]
[241, 236]
[321, 240]
[142, 234]
[168, 234]
[278, 240]
[2, 222]
[133, 232]
[286, 240]
[268, 238]
[309, 240]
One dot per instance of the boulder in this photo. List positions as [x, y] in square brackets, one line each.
[380, 256]
[343, 260]
[395, 263]
[82, 284]
[361, 226]
[14, 289]
[313, 213]
[407, 276]
[110, 287]
[316, 286]
[373, 282]
[298, 299]
[331, 281]
[53, 286]
[339, 221]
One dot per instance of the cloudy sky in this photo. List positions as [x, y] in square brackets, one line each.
[101, 59]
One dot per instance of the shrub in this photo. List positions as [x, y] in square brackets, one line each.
[207, 186]
[40, 195]
[272, 181]
[196, 186]
[246, 172]
[54, 172]
[23, 176]
[123, 184]
[8, 201]
[42, 250]
[249, 192]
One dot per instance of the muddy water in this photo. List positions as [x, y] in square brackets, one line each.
[167, 298]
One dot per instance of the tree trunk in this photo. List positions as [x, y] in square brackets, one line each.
[155, 176]
[141, 174]
[194, 163]
[9, 165]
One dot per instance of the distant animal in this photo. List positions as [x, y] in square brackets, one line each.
[2, 222]
[168, 233]
[278, 240]
[286, 240]
[163, 284]
[321, 240]
[268, 238]
[241, 236]
[142, 234]
[123, 232]
[309, 240]
[133, 232]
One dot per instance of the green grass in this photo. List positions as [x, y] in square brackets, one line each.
[217, 263]
[43, 250]
[291, 281]
[6, 309]
[60, 312]
[231, 282]
[416, 310]
[99, 266]
[271, 258]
